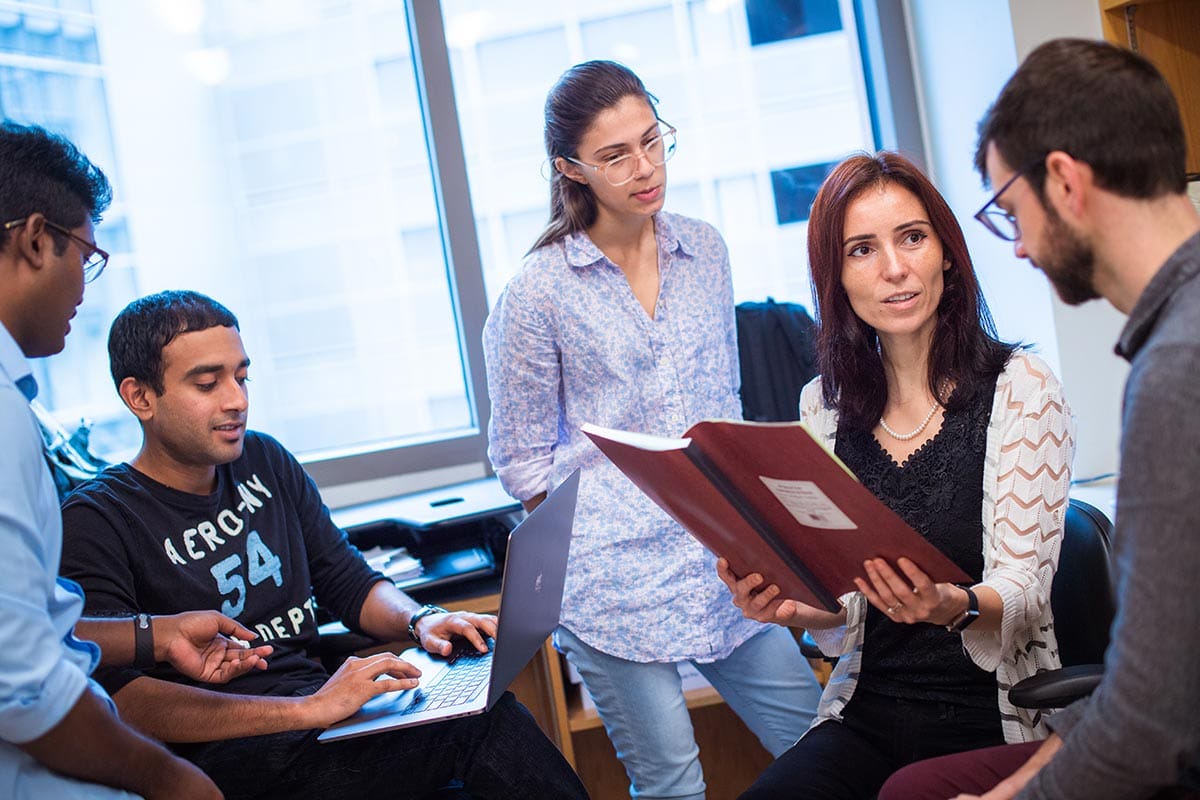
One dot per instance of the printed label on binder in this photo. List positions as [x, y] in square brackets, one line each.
[808, 504]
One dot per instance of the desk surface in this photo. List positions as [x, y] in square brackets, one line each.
[481, 595]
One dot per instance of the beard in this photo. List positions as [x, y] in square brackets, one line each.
[1070, 264]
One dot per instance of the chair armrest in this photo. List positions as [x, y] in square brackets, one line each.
[1056, 688]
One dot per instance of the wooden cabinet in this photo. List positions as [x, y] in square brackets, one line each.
[1167, 32]
[730, 754]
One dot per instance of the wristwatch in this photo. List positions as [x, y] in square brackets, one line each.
[143, 642]
[425, 611]
[966, 618]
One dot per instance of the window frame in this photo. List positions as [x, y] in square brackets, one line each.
[892, 95]
[884, 50]
[460, 244]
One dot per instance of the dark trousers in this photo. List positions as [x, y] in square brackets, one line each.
[975, 772]
[500, 754]
[850, 760]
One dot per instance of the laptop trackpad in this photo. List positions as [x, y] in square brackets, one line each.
[393, 702]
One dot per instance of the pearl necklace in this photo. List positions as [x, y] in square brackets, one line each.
[904, 437]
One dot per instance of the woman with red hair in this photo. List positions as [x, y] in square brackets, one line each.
[970, 440]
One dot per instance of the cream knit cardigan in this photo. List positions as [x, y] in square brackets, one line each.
[1026, 478]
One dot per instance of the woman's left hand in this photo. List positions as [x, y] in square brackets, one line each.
[910, 597]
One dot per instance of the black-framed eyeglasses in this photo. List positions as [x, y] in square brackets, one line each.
[94, 259]
[996, 219]
[621, 169]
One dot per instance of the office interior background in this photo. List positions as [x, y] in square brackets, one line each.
[357, 180]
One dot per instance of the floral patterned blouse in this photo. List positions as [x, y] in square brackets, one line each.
[568, 343]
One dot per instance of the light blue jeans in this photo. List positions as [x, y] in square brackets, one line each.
[765, 681]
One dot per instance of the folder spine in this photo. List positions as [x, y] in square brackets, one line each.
[764, 530]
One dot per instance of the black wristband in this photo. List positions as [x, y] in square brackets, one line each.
[143, 642]
[425, 611]
[966, 618]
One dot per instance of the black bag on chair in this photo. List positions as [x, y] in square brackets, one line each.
[777, 351]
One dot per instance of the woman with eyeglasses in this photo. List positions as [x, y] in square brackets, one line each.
[967, 438]
[622, 315]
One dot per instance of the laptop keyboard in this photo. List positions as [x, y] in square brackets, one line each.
[459, 685]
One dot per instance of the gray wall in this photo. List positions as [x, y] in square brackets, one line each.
[962, 60]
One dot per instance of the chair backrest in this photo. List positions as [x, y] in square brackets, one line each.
[777, 354]
[1082, 596]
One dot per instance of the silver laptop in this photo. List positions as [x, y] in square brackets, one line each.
[469, 682]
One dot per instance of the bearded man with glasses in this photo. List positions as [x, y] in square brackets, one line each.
[1102, 210]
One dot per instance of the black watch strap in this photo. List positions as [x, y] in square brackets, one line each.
[425, 611]
[143, 642]
[969, 616]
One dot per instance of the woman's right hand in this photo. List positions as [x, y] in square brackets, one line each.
[763, 603]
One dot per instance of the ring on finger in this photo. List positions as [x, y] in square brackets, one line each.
[893, 609]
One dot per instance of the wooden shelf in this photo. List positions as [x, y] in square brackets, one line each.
[484, 604]
[583, 718]
[1109, 5]
[730, 754]
[1166, 32]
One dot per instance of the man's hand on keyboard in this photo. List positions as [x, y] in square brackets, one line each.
[435, 631]
[356, 682]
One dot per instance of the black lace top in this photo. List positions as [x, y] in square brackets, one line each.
[939, 492]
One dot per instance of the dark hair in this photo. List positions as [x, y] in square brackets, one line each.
[579, 96]
[148, 324]
[965, 350]
[1102, 105]
[42, 172]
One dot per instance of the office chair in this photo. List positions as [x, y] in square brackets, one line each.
[1084, 603]
[777, 355]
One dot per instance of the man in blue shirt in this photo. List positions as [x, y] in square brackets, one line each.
[59, 735]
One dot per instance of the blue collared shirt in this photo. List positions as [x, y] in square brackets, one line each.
[568, 343]
[43, 668]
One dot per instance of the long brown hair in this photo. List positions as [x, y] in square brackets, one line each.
[579, 96]
[965, 349]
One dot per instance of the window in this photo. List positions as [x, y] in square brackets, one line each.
[767, 95]
[277, 162]
[294, 160]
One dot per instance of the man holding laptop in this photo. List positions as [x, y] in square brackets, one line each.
[210, 515]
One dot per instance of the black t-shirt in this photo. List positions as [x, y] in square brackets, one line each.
[939, 493]
[257, 549]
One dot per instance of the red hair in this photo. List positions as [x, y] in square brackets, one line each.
[965, 350]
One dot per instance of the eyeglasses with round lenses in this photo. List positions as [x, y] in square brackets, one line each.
[93, 258]
[621, 169]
